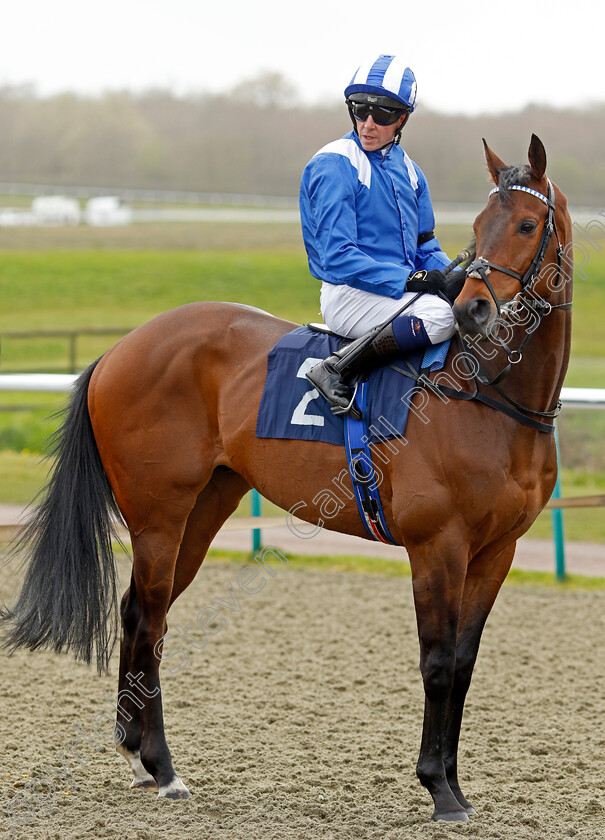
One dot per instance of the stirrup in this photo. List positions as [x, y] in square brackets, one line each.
[351, 409]
[326, 392]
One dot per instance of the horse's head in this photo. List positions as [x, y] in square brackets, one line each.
[516, 237]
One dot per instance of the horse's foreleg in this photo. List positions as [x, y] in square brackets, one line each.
[484, 579]
[438, 582]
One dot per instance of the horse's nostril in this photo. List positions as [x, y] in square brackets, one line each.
[478, 310]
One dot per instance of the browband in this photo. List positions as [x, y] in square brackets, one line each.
[529, 190]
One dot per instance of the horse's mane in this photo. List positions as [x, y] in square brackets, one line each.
[519, 174]
[472, 248]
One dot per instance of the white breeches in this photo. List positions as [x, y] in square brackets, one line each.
[352, 312]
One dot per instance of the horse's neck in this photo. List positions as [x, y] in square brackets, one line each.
[547, 357]
[536, 381]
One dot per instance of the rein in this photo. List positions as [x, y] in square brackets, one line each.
[480, 268]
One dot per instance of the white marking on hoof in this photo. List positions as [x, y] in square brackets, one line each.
[175, 790]
[451, 816]
[142, 779]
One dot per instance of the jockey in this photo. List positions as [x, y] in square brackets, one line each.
[367, 224]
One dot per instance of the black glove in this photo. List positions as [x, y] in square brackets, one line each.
[455, 281]
[426, 281]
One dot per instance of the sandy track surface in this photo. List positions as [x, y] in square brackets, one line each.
[302, 718]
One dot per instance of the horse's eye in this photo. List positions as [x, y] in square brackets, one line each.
[527, 227]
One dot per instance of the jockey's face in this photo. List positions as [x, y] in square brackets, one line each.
[373, 137]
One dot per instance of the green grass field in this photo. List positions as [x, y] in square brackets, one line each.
[143, 271]
[80, 278]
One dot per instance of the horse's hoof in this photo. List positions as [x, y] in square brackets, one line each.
[466, 806]
[175, 794]
[175, 790]
[451, 816]
[143, 784]
[462, 801]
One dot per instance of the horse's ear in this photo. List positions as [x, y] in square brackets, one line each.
[494, 164]
[537, 158]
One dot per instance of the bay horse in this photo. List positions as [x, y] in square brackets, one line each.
[161, 431]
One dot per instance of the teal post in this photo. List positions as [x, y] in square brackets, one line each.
[256, 511]
[557, 520]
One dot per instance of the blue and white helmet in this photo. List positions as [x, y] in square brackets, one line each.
[385, 76]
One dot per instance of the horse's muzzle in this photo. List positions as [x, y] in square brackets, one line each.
[474, 316]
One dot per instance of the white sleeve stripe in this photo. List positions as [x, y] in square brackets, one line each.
[357, 158]
[411, 171]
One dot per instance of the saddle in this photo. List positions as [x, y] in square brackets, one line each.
[292, 408]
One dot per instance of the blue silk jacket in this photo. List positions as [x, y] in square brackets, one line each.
[362, 213]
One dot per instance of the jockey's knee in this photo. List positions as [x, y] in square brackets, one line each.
[439, 321]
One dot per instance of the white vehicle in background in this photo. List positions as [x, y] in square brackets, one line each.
[107, 210]
[15, 217]
[55, 210]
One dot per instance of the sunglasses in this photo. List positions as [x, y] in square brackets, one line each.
[381, 115]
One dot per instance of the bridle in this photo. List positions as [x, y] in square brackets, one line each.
[480, 268]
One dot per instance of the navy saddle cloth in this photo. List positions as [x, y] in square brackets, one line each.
[292, 408]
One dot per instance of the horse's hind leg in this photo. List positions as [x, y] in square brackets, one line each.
[139, 714]
[213, 507]
[129, 704]
[139, 721]
[483, 581]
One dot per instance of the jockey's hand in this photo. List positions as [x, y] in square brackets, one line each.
[426, 281]
[455, 281]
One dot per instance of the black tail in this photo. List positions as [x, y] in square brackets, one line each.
[68, 599]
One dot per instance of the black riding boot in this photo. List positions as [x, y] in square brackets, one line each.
[380, 345]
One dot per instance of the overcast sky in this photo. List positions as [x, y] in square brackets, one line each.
[468, 57]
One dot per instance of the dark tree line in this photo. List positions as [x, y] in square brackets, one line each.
[257, 138]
